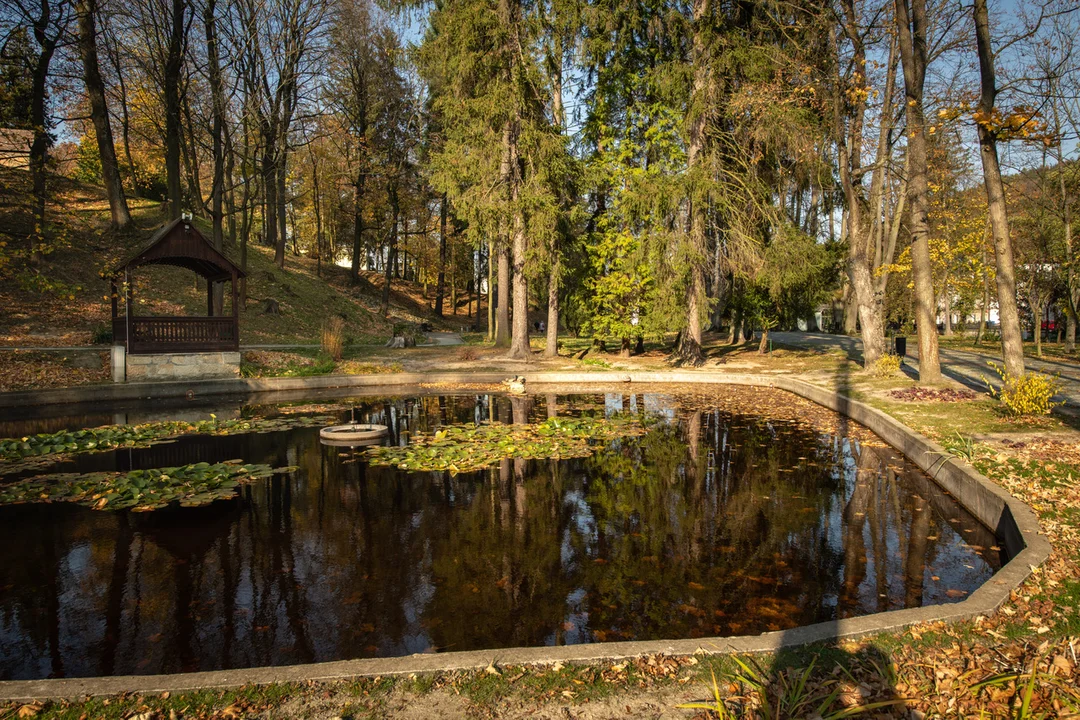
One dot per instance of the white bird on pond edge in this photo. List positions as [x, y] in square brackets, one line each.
[516, 385]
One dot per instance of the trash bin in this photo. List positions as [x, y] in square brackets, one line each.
[901, 346]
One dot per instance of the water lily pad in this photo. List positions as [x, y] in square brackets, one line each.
[36, 451]
[466, 448]
[139, 490]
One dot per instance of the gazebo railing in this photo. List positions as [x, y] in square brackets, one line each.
[177, 334]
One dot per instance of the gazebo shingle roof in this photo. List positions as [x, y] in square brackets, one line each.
[180, 244]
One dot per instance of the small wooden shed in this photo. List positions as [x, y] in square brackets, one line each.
[179, 244]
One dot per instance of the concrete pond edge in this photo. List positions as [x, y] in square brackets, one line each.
[1014, 522]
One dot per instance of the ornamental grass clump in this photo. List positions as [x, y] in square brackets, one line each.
[1027, 395]
[333, 338]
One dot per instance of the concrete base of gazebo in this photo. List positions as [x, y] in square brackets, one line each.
[174, 366]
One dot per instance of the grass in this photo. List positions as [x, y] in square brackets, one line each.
[311, 362]
[992, 346]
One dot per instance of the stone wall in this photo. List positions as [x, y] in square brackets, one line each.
[183, 366]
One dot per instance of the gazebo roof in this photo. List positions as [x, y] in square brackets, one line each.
[180, 244]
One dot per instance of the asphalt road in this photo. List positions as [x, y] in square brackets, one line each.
[967, 368]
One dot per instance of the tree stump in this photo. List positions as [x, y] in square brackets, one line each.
[269, 306]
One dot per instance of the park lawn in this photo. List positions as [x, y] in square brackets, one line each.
[992, 346]
[1020, 662]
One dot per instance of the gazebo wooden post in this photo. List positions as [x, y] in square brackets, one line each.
[209, 297]
[112, 297]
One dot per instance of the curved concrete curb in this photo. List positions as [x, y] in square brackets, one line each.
[1014, 522]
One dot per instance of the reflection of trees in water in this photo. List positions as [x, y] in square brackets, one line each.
[694, 532]
[715, 524]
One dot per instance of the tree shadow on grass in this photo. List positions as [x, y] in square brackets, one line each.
[826, 679]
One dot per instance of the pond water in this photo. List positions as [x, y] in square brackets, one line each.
[740, 511]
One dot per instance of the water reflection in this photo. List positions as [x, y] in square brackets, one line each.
[710, 524]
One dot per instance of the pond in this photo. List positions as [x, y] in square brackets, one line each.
[736, 511]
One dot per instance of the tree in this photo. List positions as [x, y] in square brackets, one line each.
[217, 137]
[16, 84]
[498, 142]
[1011, 339]
[99, 113]
[48, 21]
[911, 23]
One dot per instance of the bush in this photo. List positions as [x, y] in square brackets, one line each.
[333, 337]
[1029, 394]
[468, 354]
[101, 335]
[886, 366]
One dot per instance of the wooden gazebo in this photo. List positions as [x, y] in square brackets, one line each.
[178, 244]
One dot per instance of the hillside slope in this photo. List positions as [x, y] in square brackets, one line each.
[65, 303]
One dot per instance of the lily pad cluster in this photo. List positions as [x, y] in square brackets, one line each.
[23, 451]
[139, 490]
[466, 448]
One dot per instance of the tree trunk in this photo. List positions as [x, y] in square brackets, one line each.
[269, 204]
[171, 72]
[99, 114]
[551, 348]
[912, 35]
[453, 277]
[217, 97]
[479, 270]
[490, 290]
[281, 208]
[519, 343]
[502, 315]
[946, 302]
[440, 286]
[39, 146]
[984, 312]
[719, 290]
[391, 250]
[689, 349]
[1036, 316]
[1012, 344]
[316, 202]
[736, 327]
[358, 227]
[1072, 290]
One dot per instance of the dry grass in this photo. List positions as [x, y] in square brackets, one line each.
[333, 338]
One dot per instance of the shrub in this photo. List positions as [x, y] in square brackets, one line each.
[467, 354]
[1029, 394]
[333, 337]
[886, 366]
[101, 335]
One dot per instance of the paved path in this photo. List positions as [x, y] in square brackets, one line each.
[966, 367]
[445, 338]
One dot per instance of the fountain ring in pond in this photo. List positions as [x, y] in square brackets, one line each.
[352, 434]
